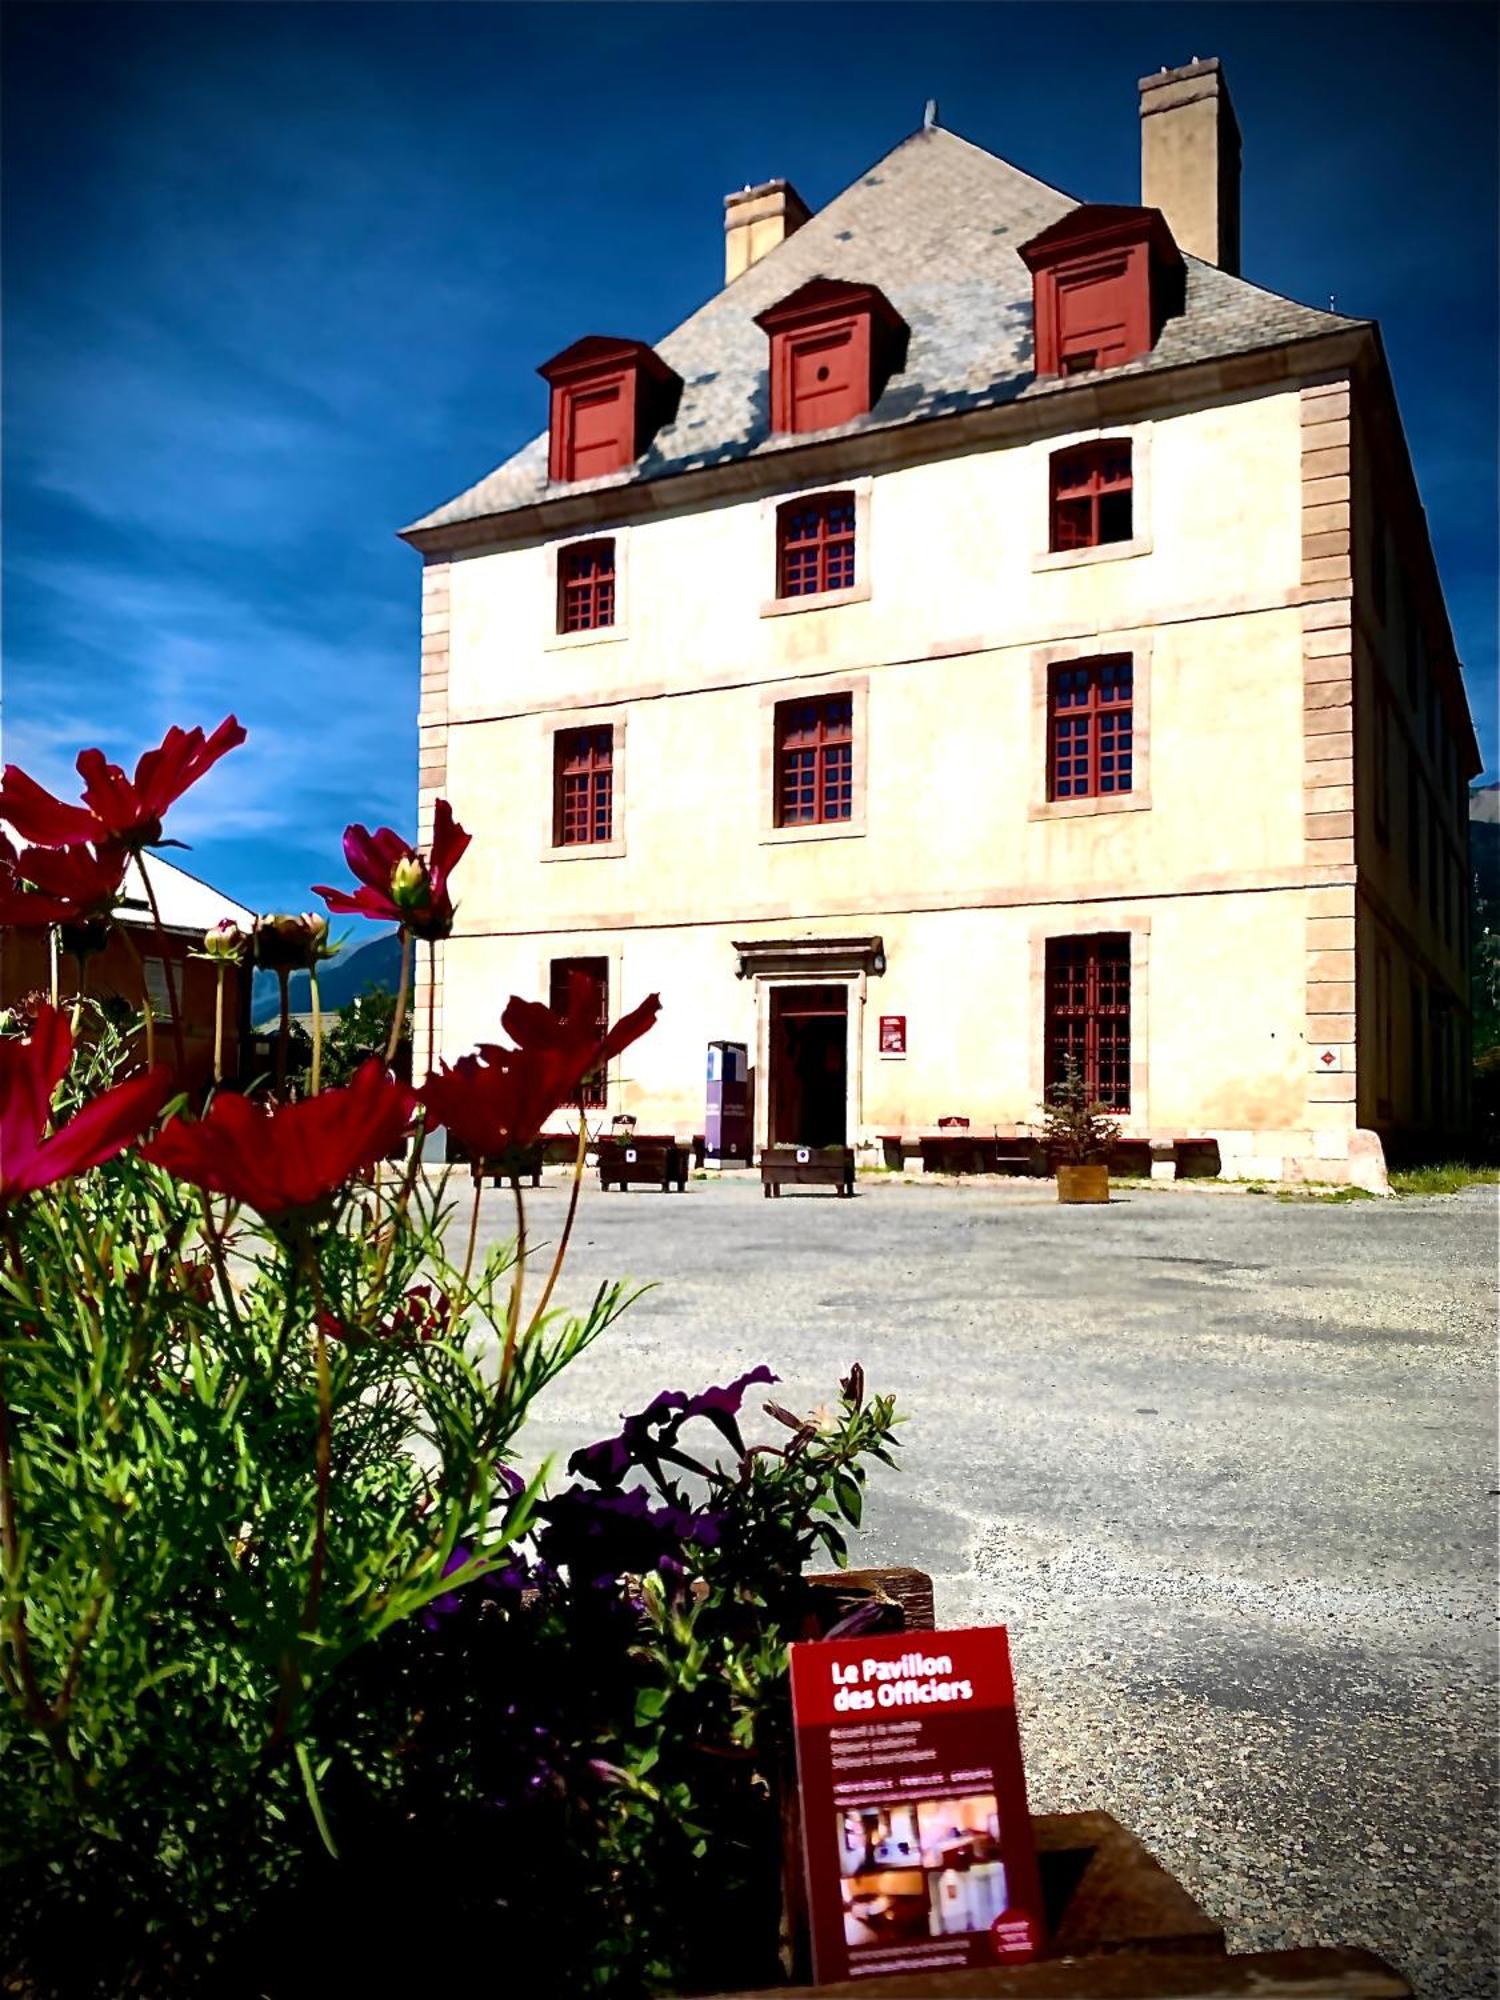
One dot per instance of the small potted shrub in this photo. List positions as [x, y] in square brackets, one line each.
[1080, 1136]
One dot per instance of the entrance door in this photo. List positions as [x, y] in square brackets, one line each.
[809, 1065]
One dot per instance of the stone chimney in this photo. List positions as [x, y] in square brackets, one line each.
[756, 220]
[1190, 159]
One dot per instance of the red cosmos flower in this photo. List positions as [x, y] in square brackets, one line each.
[401, 886]
[293, 1157]
[116, 810]
[58, 885]
[30, 1071]
[502, 1097]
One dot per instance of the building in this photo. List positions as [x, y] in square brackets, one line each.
[174, 976]
[990, 629]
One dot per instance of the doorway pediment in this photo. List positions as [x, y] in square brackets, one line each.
[809, 958]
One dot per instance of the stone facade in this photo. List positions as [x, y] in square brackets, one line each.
[1242, 876]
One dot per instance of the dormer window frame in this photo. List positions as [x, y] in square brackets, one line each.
[822, 312]
[644, 388]
[1091, 246]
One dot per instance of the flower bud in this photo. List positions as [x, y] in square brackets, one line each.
[411, 890]
[290, 943]
[225, 941]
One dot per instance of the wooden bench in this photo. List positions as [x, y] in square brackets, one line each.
[806, 1166]
[518, 1163]
[653, 1159]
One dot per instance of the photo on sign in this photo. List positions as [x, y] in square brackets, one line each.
[926, 1867]
[892, 1904]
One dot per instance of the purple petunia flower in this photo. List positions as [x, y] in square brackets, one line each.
[649, 1438]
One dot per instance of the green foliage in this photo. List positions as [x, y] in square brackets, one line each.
[1442, 1177]
[233, 1459]
[616, 1751]
[1077, 1129]
[362, 1029]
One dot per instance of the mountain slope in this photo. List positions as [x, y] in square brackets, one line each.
[341, 980]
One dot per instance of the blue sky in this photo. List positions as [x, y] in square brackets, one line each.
[277, 279]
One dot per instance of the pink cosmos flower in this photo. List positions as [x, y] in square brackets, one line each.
[30, 1072]
[116, 811]
[399, 885]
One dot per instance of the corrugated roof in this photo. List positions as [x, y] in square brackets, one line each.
[936, 225]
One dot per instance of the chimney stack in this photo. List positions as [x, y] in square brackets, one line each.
[756, 220]
[1190, 159]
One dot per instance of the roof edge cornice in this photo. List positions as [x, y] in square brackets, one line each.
[1058, 406]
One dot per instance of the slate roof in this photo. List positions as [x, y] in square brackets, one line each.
[935, 225]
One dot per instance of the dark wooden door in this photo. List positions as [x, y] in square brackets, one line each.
[809, 1066]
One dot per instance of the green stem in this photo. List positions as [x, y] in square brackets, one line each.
[403, 989]
[567, 1229]
[513, 1318]
[317, 1014]
[219, 1026]
[431, 1003]
[166, 967]
[146, 1009]
[473, 1230]
[285, 1029]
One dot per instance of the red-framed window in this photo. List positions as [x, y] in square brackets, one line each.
[1089, 729]
[1091, 495]
[583, 787]
[815, 545]
[1088, 1015]
[596, 971]
[815, 760]
[586, 586]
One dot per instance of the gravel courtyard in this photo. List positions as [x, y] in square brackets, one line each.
[1224, 1465]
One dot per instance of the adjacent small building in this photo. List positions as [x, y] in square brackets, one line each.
[992, 632]
[179, 983]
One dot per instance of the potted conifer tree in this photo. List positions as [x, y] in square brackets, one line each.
[1080, 1136]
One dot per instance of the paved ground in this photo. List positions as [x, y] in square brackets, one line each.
[1225, 1466]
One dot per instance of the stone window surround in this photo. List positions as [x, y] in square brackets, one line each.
[554, 725]
[769, 555]
[601, 635]
[1044, 556]
[1135, 1123]
[857, 686]
[1139, 644]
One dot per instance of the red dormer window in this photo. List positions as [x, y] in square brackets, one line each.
[609, 399]
[834, 347]
[1104, 281]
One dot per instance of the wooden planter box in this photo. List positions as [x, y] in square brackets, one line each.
[652, 1159]
[1083, 1183]
[520, 1163]
[806, 1166]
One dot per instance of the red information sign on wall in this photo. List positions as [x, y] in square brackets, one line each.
[915, 1829]
[893, 1034]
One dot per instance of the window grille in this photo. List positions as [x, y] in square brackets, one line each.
[586, 587]
[1090, 736]
[583, 802]
[1088, 1015]
[596, 971]
[1091, 495]
[815, 760]
[815, 545]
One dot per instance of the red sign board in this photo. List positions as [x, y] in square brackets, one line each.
[893, 1034]
[915, 1830]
